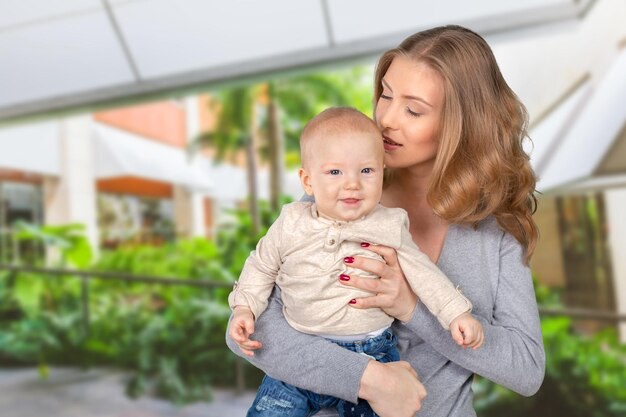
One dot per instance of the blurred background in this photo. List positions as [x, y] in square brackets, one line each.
[146, 145]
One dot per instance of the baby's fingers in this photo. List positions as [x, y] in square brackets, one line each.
[238, 334]
[457, 335]
[248, 347]
[480, 338]
[249, 324]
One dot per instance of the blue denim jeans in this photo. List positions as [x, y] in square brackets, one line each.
[278, 399]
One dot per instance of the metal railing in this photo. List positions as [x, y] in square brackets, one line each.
[583, 313]
[85, 276]
[573, 312]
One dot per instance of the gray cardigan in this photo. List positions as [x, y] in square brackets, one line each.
[487, 265]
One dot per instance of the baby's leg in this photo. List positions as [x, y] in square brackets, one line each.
[383, 349]
[278, 399]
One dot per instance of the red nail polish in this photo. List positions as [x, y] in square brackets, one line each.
[344, 277]
[365, 245]
[353, 301]
[348, 259]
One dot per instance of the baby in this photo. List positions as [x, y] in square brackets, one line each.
[309, 247]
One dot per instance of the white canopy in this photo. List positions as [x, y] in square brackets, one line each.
[231, 184]
[31, 148]
[590, 134]
[548, 135]
[71, 53]
[119, 153]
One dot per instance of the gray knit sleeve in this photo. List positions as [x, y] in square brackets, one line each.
[306, 361]
[512, 354]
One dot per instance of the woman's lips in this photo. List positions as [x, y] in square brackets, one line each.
[390, 144]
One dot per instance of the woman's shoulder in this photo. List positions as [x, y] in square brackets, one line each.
[487, 231]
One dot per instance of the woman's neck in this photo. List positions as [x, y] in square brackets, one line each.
[408, 190]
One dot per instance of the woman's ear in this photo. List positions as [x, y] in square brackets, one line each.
[305, 180]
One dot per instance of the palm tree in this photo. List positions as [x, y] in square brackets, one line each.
[291, 102]
[235, 131]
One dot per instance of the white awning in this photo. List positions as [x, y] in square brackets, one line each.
[119, 154]
[32, 148]
[591, 134]
[231, 184]
[68, 54]
[549, 133]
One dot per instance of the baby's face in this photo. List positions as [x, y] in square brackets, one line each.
[345, 174]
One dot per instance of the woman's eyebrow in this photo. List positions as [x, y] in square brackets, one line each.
[410, 97]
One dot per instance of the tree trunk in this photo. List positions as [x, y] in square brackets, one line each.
[276, 153]
[252, 186]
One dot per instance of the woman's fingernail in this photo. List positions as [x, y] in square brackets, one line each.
[365, 244]
[353, 301]
[344, 277]
[348, 259]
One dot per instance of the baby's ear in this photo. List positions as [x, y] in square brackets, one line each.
[305, 180]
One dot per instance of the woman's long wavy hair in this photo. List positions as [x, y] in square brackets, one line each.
[481, 168]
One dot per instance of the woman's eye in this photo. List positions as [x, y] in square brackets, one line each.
[334, 172]
[385, 97]
[413, 113]
[367, 170]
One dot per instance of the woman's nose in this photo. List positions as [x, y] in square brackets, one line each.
[384, 116]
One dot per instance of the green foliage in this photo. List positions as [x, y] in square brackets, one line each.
[302, 97]
[235, 240]
[585, 375]
[171, 337]
[69, 240]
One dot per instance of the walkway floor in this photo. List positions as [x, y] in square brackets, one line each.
[72, 392]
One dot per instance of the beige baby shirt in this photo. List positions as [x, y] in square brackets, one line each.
[303, 254]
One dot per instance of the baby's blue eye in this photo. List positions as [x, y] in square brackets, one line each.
[367, 171]
[334, 172]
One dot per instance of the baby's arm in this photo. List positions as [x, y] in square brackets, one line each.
[467, 331]
[306, 361]
[241, 327]
[259, 272]
[437, 292]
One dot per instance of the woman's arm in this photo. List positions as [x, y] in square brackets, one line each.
[315, 364]
[512, 354]
[303, 360]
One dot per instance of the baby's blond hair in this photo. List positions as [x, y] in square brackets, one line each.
[333, 121]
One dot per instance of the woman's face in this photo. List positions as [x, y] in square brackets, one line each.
[408, 113]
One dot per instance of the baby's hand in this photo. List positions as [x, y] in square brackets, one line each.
[467, 331]
[241, 327]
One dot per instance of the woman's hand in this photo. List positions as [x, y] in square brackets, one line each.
[392, 389]
[392, 291]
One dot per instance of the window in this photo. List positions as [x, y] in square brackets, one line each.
[18, 202]
[586, 257]
[127, 218]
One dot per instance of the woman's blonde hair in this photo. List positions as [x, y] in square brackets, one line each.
[481, 168]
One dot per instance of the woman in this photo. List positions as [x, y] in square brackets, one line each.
[453, 133]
